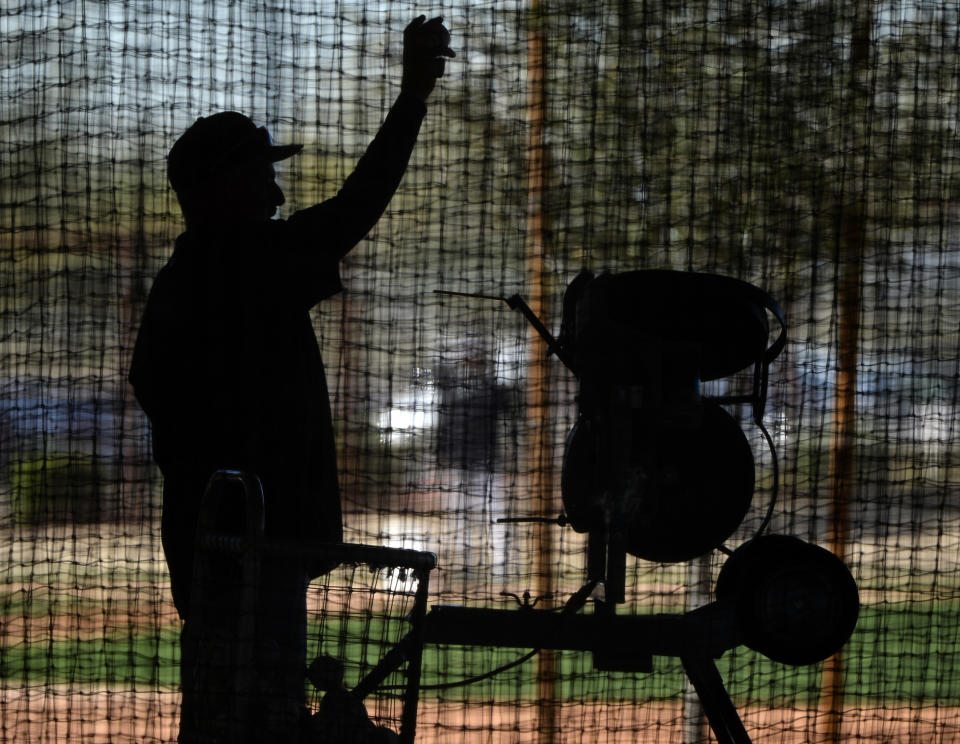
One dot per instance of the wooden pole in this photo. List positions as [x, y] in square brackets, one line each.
[539, 441]
[851, 246]
[135, 458]
[843, 444]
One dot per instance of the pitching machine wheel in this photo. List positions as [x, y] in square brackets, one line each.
[796, 603]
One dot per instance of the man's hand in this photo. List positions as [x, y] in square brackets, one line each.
[425, 45]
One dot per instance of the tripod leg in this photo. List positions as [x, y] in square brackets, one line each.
[723, 716]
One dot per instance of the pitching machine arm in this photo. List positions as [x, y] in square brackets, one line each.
[516, 302]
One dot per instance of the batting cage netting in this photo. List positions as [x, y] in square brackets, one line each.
[656, 181]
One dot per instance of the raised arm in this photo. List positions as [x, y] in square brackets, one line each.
[342, 221]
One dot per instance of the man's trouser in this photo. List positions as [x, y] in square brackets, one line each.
[224, 700]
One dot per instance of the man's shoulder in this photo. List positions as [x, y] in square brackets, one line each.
[176, 280]
[170, 270]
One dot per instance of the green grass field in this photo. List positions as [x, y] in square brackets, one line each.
[905, 653]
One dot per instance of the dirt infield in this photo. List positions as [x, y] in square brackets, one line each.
[661, 723]
[52, 715]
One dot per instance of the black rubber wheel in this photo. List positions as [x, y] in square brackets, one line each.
[796, 603]
[696, 490]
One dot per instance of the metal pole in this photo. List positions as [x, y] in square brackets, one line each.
[694, 719]
[538, 404]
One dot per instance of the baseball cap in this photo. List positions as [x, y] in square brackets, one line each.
[217, 142]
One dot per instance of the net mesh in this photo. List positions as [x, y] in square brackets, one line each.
[808, 147]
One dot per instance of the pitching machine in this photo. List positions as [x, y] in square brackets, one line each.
[655, 469]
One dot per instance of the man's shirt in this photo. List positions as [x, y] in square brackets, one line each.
[227, 365]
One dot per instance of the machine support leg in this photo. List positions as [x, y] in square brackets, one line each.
[723, 716]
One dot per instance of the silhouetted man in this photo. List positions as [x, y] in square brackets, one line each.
[228, 369]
